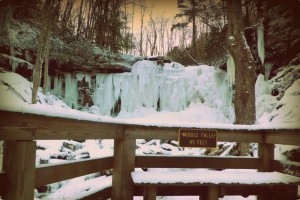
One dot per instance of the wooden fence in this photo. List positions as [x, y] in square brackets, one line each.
[20, 175]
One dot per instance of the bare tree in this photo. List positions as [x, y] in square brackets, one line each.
[143, 11]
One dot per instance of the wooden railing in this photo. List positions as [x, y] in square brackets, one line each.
[20, 175]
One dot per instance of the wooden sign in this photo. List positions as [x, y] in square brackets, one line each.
[198, 138]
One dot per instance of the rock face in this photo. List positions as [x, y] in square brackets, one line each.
[281, 35]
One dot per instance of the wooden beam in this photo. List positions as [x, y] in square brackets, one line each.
[196, 162]
[19, 126]
[213, 192]
[46, 174]
[25, 126]
[286, 167]
[171, 133]
[124, 163]
[19, 164]
[266, 156]
[288, 137]
[150, 192]
[243, 190]
[3, 183]
[103, 194]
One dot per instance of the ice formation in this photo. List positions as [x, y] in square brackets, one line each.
[230, 70]
[13, 62]
[268, 68]
[261, 42]
[168, 88]
[86, 77]
[71, 91]
[58, 86]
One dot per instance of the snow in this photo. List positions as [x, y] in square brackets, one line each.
[204, 176]
[289, 104]
[88, 185]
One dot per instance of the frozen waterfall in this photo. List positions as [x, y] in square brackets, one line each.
[168, 88]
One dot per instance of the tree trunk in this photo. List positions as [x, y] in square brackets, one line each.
[244, 99]
[194, 29]
[46, 68]
[41, 52]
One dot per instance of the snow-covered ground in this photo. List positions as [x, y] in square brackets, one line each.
[196, 96]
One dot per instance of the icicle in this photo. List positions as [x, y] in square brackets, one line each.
[230, 70]
[104, 96]
[79, 77]
[87, 78]
[268, 68]
[71, 91]
[57, 90]
[260, 42]
[13, 63]
[28, 58]
[49, 83]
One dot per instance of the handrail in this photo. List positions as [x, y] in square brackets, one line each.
[46, 174]
[21, 129]
[25, 126]
[196, 162]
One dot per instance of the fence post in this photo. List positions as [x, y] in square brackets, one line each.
[124, 163]
[266, 155]
[19, 164]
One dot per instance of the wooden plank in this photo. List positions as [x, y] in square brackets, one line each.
[124, 161]
[243, 190]
[174, 190]
[19, 164]
[286, 167]
[19, 126]
[289, 137]
[144, 132]
[46, 174]
[103, 194]
[3, 183]
[150, 192]
[196, 162]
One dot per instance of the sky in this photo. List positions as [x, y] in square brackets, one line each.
[167, 8]
[160, 8]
